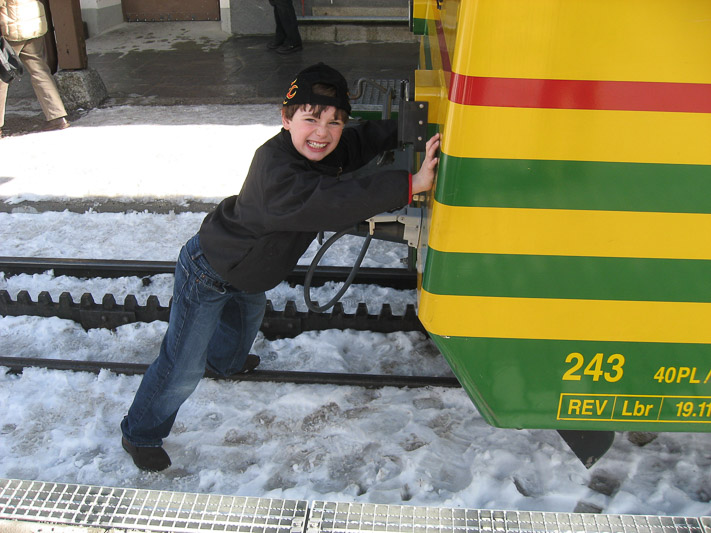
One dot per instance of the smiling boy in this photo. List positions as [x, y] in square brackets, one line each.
[300, 182]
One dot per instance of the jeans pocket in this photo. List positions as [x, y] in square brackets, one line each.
[206, 276]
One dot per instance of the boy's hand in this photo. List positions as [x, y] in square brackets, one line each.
[422, 181]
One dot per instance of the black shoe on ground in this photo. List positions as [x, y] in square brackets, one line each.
[273, 45]
[289, 49]
[152, 459]
[250, 364]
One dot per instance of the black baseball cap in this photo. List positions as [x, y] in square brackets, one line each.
[300, 90]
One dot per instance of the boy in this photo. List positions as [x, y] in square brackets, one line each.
[299, 183]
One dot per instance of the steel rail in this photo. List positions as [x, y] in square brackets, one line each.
[397, 278]
[588, 446]
[17, 365]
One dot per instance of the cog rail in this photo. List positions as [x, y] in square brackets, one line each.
[286, 323]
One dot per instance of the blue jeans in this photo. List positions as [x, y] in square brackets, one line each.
[212, 325]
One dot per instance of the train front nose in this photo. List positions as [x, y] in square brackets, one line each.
[565, 259]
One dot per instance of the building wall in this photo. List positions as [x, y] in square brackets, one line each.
[240, 17]
[101, 15]
[250, 17]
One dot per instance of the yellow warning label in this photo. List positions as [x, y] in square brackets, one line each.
[643, 408]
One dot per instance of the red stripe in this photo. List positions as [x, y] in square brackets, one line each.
[446, 65]
[581, 94]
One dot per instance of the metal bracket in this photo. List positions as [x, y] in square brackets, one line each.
[410, 217]
[412, 127]
[387, 91]
[412, 220]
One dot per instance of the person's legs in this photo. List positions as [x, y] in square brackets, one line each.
[3, 97]
[279, 34]
[32, 57]
[230, 344]
[4, 87]
[286, 17]
[198, 300]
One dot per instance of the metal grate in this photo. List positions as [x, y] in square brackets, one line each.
[329, 517]
[374, 99]
[148, 510]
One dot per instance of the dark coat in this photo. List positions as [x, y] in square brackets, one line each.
[255, 239]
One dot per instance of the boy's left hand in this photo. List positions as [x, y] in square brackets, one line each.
[422, 181]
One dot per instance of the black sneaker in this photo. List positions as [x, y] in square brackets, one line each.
[289, 49]
[150, 458]
[273, 45]
[250, 364]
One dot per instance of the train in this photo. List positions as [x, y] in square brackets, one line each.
[564, 258]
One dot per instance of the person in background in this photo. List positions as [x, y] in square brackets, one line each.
[287, 38]
[300, 182]
[23, 23]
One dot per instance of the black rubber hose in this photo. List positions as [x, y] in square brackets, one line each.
[310, 272]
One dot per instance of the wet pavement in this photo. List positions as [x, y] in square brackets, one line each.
[202, 65]
[241, 70]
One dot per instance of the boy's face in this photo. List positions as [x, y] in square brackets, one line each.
[314, 137]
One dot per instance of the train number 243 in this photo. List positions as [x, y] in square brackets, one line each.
[610, 367]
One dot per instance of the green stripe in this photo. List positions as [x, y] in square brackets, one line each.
[518, 382]
[427, 53]
[419, 26]
[596, 278]
[574, 185]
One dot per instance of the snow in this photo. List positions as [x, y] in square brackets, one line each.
[426, 446]
[200, 158]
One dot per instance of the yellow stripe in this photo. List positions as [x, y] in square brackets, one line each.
[493, 230]
[543, 318]
[433, 41]
[632, 40]
[430, 87]
[419, 9]
[578, 134]
[450, 16]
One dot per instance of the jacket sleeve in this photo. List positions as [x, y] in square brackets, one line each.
[365, 141]
[306, 200]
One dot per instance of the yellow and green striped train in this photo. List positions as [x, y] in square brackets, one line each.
[566, 255]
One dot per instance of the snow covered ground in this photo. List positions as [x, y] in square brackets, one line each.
[415, 446]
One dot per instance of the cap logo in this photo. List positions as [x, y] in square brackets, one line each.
[291, 92]
[331, 88]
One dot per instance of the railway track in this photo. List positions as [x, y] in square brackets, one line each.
[17, 365]
[396, 278]
[288, 322]
[285, 323]
[588, 446]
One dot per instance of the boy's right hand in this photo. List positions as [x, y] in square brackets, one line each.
[422, 181]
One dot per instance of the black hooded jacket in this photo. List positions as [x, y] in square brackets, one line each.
[254, 240]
